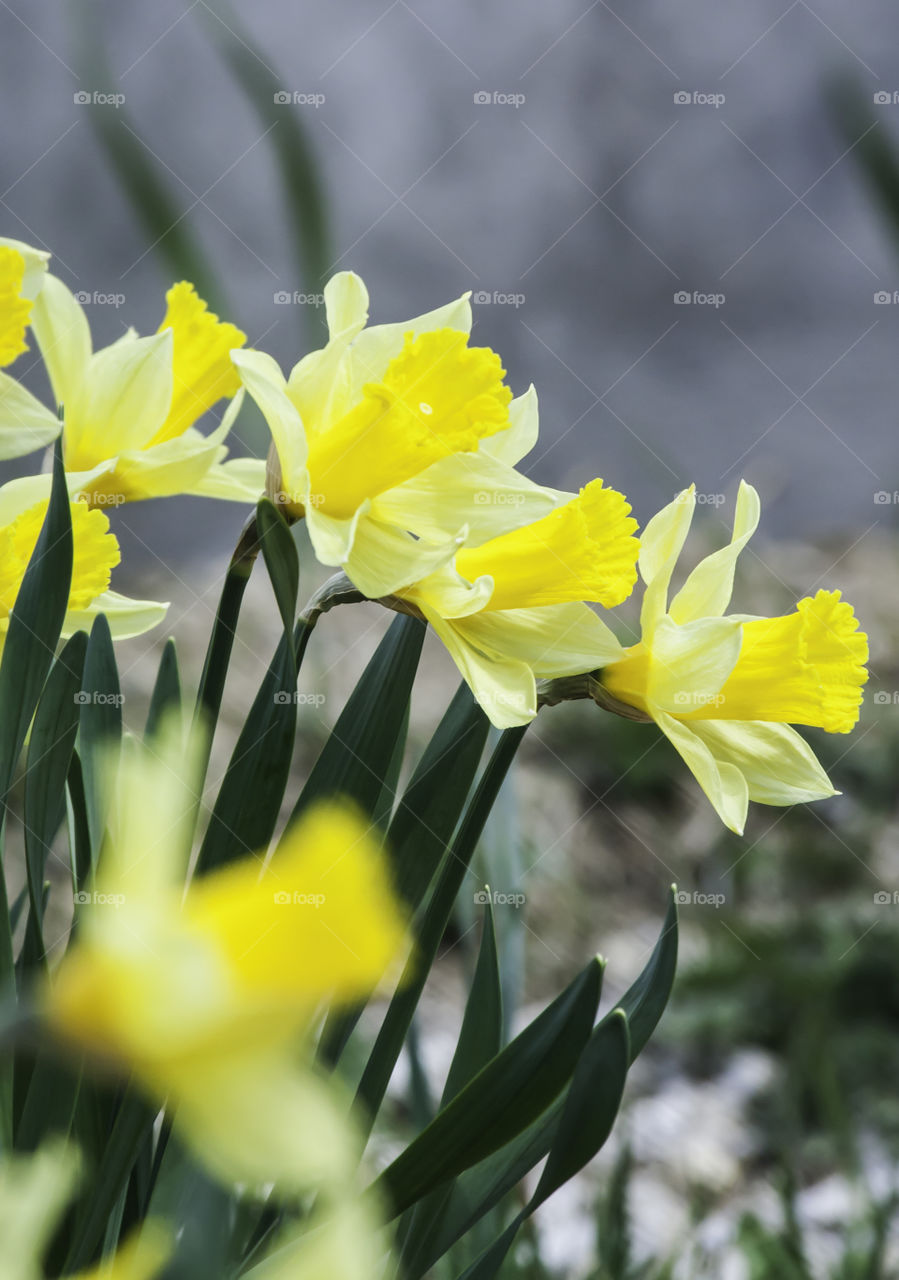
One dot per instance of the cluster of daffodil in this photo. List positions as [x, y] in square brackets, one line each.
[399, 446]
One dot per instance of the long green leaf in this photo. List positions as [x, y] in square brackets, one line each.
[100, 726]
[31, 638]
[423, 824]
[166, 694]
[47, 766]
[503, 1099]
[482, 1188]
[431, 927]
[354, 761]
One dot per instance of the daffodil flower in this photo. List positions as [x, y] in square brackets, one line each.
[34, 1191]
[25, 425]
[206, 1001]
[725, 690]
[95, 554]
[130, 408]
[512, 609]
[392, 431]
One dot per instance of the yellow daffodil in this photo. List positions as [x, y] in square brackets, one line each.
[206, 1001]
[394, 430]
[130, 408]
[25, 424]
[512, 609]
[726, 689]
[95, 554]
[34, 1190]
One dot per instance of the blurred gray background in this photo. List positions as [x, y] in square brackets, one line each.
[538, 155]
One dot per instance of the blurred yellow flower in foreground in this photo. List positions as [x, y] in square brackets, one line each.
[394, 430]
[726, 689]
[130, 408]
[207, 1001]
[95, 553]
[34, 1190]
[22, 428]
[512, 609]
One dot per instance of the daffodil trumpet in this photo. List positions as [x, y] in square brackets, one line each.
[396, 443]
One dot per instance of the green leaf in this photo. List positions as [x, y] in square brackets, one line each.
[482, 1188]
[295, 162]
[423, 824]
[163, 216]
[100, 726]
[166, 691]
[47, 766]
[280, 554]
[249, 799]
[34, 628]
[645, 1000]
[429, 811]
[224, 628]
[480, 1038]
[504, 1098]
[429, 930]
[133, 1121]
[590, 1107]
[354, 761]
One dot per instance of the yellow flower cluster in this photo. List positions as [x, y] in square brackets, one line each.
[399, 445]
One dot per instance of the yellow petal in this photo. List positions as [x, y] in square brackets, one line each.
[504, 686]
[660, 545]
[805, 668]
[723, 782]
[124, 396]
[321, 920]
[15, 309]
[778, 764]
[707, 591]
[437, 397]
[25, 424]
[63, 335]
[201, 359]
[584, 550]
